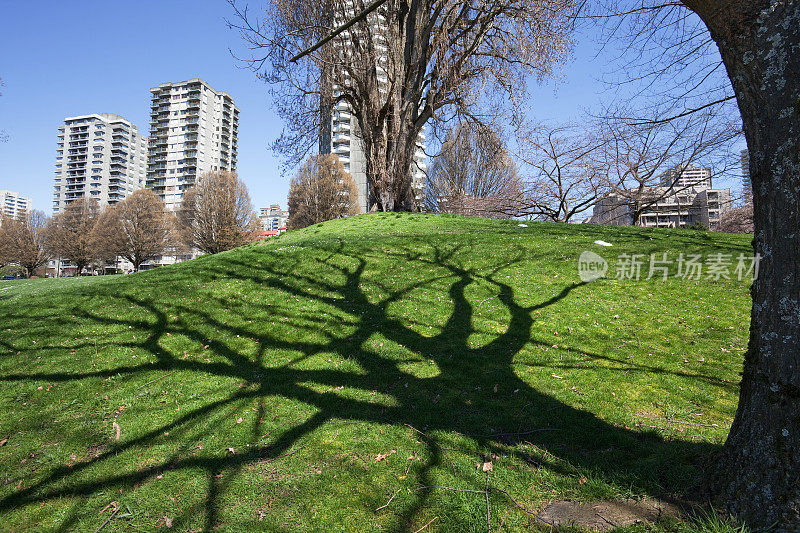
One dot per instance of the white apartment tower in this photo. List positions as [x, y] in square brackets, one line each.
[193, 129]
[100, 156]
[13, 205]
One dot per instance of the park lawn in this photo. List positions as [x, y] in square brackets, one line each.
[302, 383]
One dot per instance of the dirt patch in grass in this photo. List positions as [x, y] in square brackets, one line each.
[606, 515]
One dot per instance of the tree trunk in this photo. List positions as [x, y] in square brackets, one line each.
[756, 474]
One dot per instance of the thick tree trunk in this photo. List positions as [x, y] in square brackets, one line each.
[757, 475]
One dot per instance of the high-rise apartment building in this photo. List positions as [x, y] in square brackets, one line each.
[13, 205]
[193, 129]
[100, 156]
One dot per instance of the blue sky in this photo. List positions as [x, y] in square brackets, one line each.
[60, 59]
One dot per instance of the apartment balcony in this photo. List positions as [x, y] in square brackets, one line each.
[191, 137]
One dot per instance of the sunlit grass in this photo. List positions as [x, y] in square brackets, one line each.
[302, 383]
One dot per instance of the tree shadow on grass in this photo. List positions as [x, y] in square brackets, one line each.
[455, 401]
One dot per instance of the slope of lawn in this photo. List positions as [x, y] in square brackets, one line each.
[373, 373]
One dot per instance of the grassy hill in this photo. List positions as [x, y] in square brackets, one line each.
[302, 383]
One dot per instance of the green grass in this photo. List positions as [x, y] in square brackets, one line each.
[299, 384]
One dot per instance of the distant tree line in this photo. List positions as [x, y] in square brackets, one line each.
[215, 215]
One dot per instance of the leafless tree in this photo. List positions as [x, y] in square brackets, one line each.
[737, 220]
[474, 175]
[217, 214]
[321, 190]
[138, 228]
[22, 241]
[755, 43]
[563, 182]
[404, 65]
[638, 164]
[70, 235]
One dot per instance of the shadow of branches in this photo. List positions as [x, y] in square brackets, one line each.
[346, 312]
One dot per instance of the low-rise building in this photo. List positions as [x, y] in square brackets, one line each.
[682, 201]
[273, 218]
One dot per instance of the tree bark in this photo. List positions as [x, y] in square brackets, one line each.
[756, 474]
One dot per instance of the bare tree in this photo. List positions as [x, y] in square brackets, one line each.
[754, 42]
[474, 175]
[138, 228]
[638, 164]
[321, 190]
[737, 220]
[5, 241]
[22, 241]
[397, 68]
[563, 183]
[70, 235]
[216, 214]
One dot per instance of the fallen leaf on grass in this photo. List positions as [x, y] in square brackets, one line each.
[382, 456]
[117, 430]
[3, 442]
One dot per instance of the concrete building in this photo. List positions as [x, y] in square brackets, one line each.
[691, 201]
[273, 218]
[193, 130]
[13, 205]
[340, 136]
[691, 176]
[747, 185]
[100, 156]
